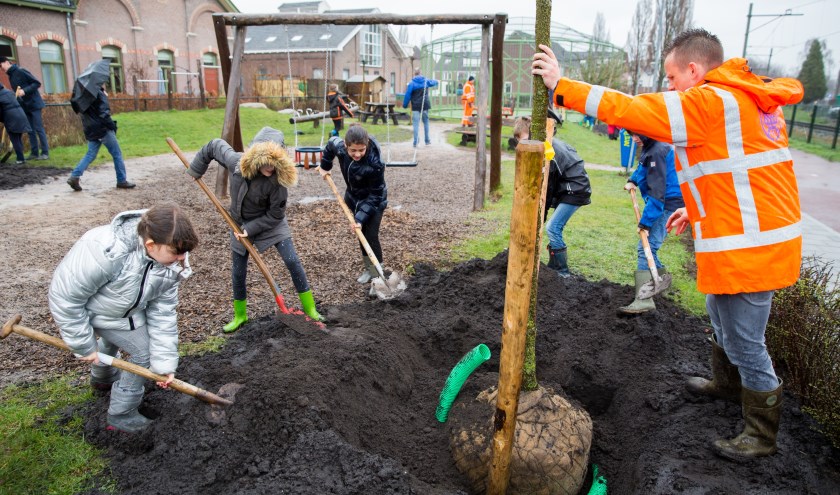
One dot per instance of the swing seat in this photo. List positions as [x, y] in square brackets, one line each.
[401, 164]
[306, 155]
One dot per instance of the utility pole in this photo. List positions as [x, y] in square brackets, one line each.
[768, 61]
[750, 15]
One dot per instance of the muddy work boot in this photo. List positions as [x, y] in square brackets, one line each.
[639, 306]
[761, 412]
[726, 380]
[367, 273]
[308, 303]
[559, 261]
[74, 183]
[130, 422]
[240, 316]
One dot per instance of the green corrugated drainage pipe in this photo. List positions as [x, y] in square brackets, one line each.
[599, 483]
[457, 377]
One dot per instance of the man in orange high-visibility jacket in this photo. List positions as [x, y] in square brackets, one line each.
[742, 201]
[468, 99]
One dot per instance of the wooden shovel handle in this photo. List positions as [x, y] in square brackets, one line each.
[249, 246]
[357, 230]
[643, 235]
[181, 386]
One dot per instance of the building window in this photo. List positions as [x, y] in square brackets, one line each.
[166, 64]
[317, 73]
[393, 82]
[9, 49]
[210, 60]
[345, 74]
[114, 54]
[52, 67]
[372, 46]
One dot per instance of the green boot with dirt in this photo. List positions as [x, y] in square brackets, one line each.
[240, 316]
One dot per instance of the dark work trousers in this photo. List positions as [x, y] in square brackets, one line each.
[339, 124]
[286, 248]
[17, 143]
[36, 123]
[371, 232]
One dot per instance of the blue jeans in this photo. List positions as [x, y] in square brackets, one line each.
[36, 123]
[555, 225]
[739, 321]
[415, 120]
[656, 236]
[113, 147]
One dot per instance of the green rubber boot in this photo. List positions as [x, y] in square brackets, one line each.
[639, 306]
[240, 316]
[308, 303]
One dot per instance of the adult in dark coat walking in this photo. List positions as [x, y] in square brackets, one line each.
[90, 100]
[14, 120]
[26, 87]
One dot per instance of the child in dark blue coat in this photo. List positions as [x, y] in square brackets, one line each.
[14, 120]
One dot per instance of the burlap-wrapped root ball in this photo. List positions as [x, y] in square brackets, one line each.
[550, 451]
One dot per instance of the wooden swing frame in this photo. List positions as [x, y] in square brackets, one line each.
[232, 71]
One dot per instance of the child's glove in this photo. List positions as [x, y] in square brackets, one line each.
[549, 150]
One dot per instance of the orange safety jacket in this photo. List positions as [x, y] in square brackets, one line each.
[468, 98]
[734, 167]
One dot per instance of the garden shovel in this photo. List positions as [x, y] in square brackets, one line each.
[659, 283]
[180, 386]
[287, 316]
[394, 285]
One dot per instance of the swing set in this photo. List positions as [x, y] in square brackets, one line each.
[231, 71]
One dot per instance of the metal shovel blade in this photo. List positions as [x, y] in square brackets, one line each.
[654, 287]
[381, 290]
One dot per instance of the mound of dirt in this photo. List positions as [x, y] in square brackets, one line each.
[351, 409]
[13, 176]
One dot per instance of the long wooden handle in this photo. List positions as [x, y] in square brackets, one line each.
[249, 246]
[643, 235]
[178, 385]
[357, 230]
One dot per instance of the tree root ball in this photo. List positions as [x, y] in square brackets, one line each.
[551, 443]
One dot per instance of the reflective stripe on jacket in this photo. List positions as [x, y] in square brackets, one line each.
[734, 167]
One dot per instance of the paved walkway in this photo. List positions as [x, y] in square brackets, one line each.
[819, 195]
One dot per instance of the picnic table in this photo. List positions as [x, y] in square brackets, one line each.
[376, 111]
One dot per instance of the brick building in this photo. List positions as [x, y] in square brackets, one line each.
[311, 54]
[152, 40]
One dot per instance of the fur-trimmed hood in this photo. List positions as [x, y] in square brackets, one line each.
[268, 148]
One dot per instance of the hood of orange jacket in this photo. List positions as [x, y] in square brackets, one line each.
[768, 94]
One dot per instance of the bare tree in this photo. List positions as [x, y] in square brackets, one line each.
[637, 41]
[603, 65]
[672, 18]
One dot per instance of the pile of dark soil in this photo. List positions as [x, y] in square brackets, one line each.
[13, 176]
[351, 409]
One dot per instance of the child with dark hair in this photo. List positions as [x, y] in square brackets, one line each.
[359, 159]
[14, 120]
[119, 283]
[259, 182]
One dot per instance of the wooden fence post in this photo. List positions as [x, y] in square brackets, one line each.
[201, 85]
[136, 92]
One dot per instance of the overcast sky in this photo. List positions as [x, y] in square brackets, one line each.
[725, 18]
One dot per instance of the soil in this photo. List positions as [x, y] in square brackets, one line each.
[350, 409]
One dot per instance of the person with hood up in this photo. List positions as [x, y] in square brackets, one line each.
[14, 120]
[119, 283]
[338, 109]
[468, 99]
[742, 202]
[259, 182]
[366, 195]
[656, 179]
[26, 89]
[417, 92]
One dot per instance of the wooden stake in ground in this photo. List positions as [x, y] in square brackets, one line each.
[523, 235]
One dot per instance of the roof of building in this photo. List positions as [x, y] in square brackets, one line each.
[59, 5]
[368, 78]
[302, 38]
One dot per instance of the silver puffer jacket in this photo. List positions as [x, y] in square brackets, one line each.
[107, 281]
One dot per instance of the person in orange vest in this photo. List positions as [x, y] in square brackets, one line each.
[338, 109]
[468, 99]
[742, 202]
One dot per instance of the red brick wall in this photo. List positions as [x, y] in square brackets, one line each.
[161, 23]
